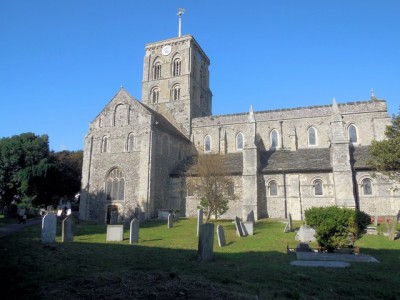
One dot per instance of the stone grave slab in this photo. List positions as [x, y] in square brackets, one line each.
[205, 243]
[49, 225]
[221, 236]
[68, 225]
[200, 213]
[134, 231]
[239, 229]
[115, 233]
[247, 227]
[318, 263]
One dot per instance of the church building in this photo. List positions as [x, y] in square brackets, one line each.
[280, 161]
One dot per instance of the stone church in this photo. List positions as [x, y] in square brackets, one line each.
[280, 161]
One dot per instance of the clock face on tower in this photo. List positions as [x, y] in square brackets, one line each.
[166, 50]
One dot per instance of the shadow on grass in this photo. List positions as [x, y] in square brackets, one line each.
[100, 270]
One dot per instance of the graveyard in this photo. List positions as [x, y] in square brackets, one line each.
[161, 261]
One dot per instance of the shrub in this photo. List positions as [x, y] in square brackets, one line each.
[336, 227]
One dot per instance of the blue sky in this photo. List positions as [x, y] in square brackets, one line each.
[62, 61]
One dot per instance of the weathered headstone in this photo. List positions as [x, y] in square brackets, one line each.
[170, 221]
[134, 231]
[239, 230]
[376, 220]
[305, 234]
[49, 224]
[115, 233]
[247, 228]
[114, 217]
[290, 222]
[68, 229]
[206, 243]
[250, 217]
[221, 236]
[199, 219]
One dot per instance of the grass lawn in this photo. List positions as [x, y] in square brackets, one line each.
[163, 265]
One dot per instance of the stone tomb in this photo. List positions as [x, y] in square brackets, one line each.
[206, 243]
[221, 236]
[305, 234]
[115, 233]
[134, 231]
[49, 225]
[68, 225]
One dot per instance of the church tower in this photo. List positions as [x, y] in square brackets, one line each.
[176, 81]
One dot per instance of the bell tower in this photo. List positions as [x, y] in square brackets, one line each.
[176, 80]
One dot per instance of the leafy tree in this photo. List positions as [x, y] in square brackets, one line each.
[33, 175]
[18, 156]
[209, 179]
[386, 153]
[336, 227]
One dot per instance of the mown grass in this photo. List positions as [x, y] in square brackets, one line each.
[256, 265]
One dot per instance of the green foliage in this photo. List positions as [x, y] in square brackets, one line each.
[28, 170]
[386, 153]
[336, 227]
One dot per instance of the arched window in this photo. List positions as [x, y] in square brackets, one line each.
[131, 145]
[239, 141]
[176, 67]
[154, 95]
[207, 143]
[367, 186]
[312, 136]
[272, 188]
[157, 70]
[104, 145]
[318, 187]
[115, 185]
[353, 134]
[274, 139]
[176, 92]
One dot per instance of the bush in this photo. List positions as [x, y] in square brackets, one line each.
[336, 227]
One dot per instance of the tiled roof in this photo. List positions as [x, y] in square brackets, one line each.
[302, 160]
[232, 164]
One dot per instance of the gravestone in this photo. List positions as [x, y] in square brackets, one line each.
[115, 233]
[250, 217]
[376, 220]
[221, 236]
[199, 219]
[114, 217]
[68, 229]
[49, 224]
[247, 228]
[239, 230]
[289, 224]
[170, 221]
[134, 231]
[206, 243]
[305, 234]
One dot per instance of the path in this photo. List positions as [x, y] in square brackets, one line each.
[10, 228]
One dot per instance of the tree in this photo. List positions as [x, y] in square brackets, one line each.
[336, 227]
[208, 177]
[386, 153]
[31, 174]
